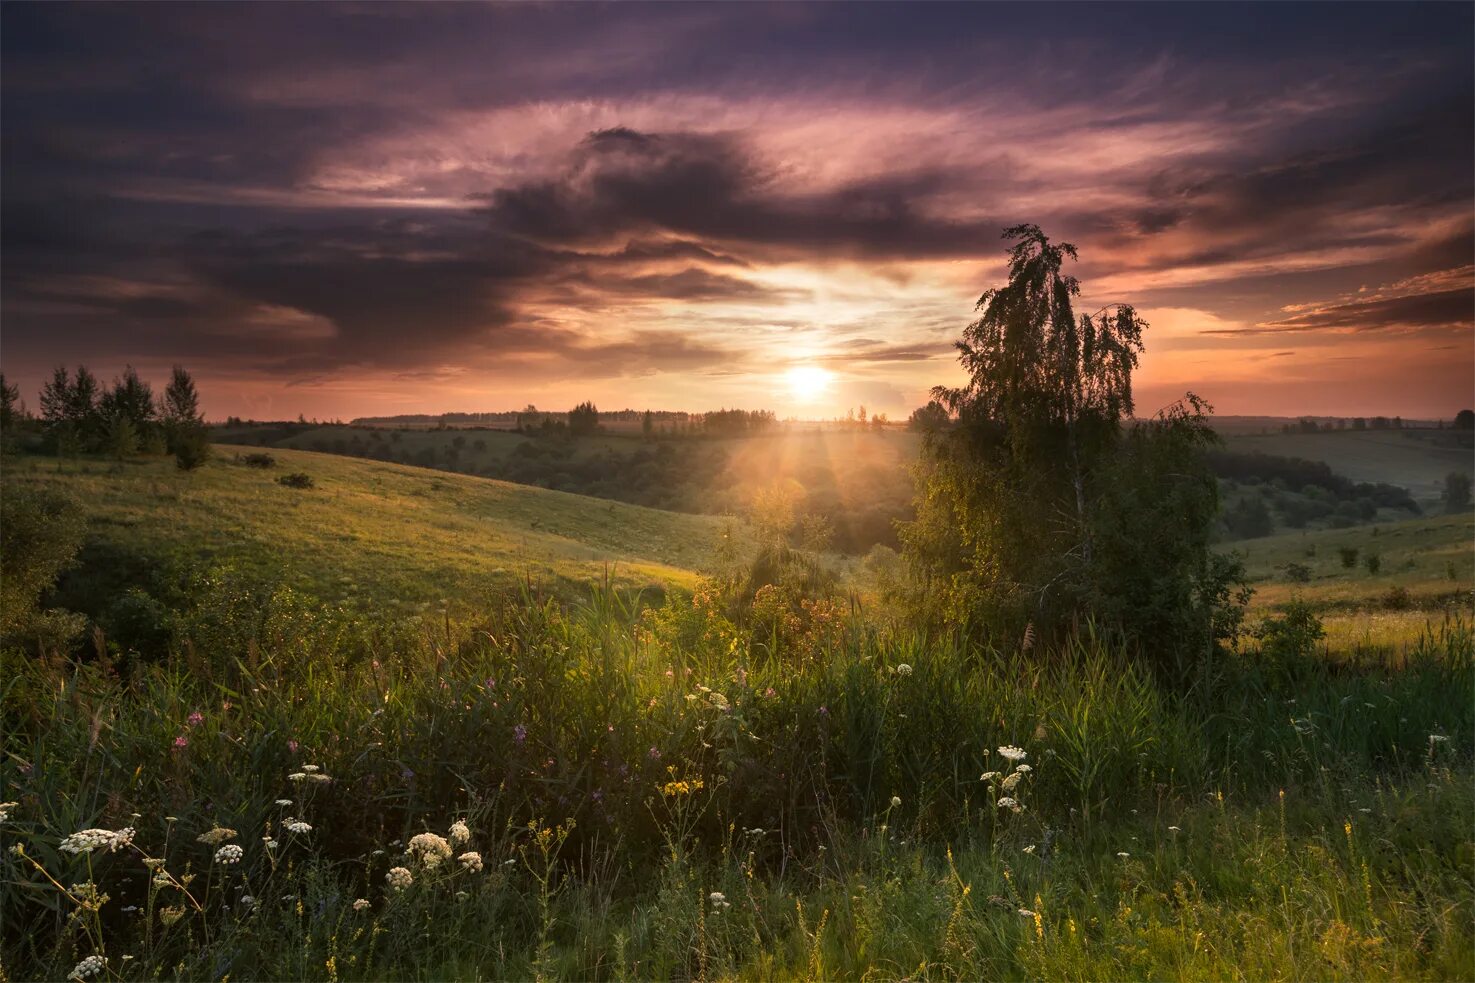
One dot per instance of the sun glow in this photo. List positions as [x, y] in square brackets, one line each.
[808, 383]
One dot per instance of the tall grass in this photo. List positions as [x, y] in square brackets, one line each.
[617, 768]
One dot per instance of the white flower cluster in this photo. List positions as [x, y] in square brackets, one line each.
[399, 878]
[5, 808]
[362, 904]
[903, 669]
[460, 833]
[719, 901]
[90, 966]
[429, 849]
[293, 825]
[1012, 753]
[471, 860]
[97, 839]
[229, 854]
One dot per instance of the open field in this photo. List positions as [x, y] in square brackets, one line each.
[374, 534]
[1414, 459]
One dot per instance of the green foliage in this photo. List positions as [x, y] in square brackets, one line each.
[1373, 562]
[1456, 491]
[1290, 637]
[1249, 518]
[1036, 508]
[1298, 573]
[1348, 555]
[40, 533]
[120, 438]
[297, 479]
[9, 414]
[259, 460]
[191, 447]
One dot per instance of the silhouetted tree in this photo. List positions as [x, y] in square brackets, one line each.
[1465, 420]
[929, 418]
[1035, 506]
[583, 419]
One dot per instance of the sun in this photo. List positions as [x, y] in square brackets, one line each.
[808, 383]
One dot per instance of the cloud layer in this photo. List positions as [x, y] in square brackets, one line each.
[348, 209]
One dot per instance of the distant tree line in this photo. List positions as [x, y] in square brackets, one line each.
[80, 415]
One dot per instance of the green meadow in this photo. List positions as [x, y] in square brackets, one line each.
[600, 762]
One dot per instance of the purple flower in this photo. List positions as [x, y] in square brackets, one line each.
[519, 733]
[654, 754]
[824, 711]
[407, 775]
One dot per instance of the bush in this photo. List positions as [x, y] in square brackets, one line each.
[1298, 573]
[1373, 562]
[1348, 555]
[40, 533]
[259, 460]
[1397, 599]
[297, 479]
[1292, 635]
[191, 448]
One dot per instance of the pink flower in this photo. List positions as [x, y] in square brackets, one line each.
[196, 718]
[292, 746]
[181, 741]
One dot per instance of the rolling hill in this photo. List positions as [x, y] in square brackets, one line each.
[371, 533]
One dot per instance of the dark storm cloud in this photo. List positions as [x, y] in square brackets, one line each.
[1445, 308]
[302, 188]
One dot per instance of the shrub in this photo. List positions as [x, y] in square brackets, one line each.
[259, 460]
[1397, 598]
[40, 533]
[1373, 562]
[297, 479]
[1291, 635]
[191, 448]
[1348, 555]
[1298, 573]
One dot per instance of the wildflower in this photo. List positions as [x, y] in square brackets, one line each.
[97, 839]
[1026, 913]
[296, 826]
[399, 878]
[216, 836]
[228, 854]
[429, 849]
[292, 746]
[1024, 768]
[181, 742]
[1030, 849]
[1009, 803]
[460, 832]
[361, 904]
[1123, 854]
[471, 860]
[462, 895]
[1438, 739]
[895, 801]
[272, 844]
[719, 900]
[519, 733]
[5, 808]
[284, 802]
[1174, 829]
[248, 901]
[168, 916]
[903, 669]
[988, 776]
[1010, 781]
[297, 776]
[311, 768]
[318, 777]
[90, 966]
[1012, 753]
[196, 718]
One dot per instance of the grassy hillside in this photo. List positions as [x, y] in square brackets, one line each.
[1425, 570]
[376, 534]
[1415, 459]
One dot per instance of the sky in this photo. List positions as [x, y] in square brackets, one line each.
[372, 209]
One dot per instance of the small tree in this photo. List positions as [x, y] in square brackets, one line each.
[928, 419]
[120, 439]
[1456, 491]
[1465, 420]
[9, 417]
[583, 419]
[648, 424]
